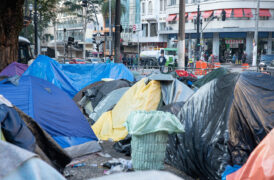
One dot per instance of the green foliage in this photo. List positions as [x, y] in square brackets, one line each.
[105, 9]
[46, 11]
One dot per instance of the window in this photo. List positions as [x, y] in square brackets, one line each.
[150, 7]
[161, 5]
[145, 30]
[153, 29]
[165, 2]
[162, 26]
[143, 9]
[172, 2]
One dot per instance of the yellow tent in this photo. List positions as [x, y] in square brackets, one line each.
[141, 96]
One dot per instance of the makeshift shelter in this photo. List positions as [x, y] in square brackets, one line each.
[224, 121]
[260, 163]
[19, 129]
[217, 73]
[81, 94]
[14, 69]
[95, 94]
[144, 95]
[52, 108]
[172, 89]
[17, 163]
[107, 103]
[71, 78]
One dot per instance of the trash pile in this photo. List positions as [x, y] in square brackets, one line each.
[208, 127]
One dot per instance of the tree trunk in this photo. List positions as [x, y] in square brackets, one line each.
[11, 23]
[117, 31]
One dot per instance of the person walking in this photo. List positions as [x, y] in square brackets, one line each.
[234, 58]
[135, 62]
[244, 57]
[162, 62]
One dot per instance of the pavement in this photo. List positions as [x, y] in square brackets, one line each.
[93, 165]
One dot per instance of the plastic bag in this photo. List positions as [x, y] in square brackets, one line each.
[142, 122]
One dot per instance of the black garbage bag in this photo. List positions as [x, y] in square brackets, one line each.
[224, 121]
[123, 146]
[217, 73]
[173, 108]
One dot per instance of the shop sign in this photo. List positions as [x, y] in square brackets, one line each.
[234, 41]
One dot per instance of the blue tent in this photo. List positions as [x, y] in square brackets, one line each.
[51, 107]
[73, 77]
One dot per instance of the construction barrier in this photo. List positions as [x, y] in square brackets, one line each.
[217, 65]
[245, 66]
[201, 68]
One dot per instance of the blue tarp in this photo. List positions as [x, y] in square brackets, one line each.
[51, 107]
[73, 77]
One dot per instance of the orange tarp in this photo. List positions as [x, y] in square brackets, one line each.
[260, 164]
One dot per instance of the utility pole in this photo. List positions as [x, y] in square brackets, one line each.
[117, 30]
[181, 38]
[55, 37]
[35, 29]
[255, 43]
[84, 31]
[198, 34]
[110, 27]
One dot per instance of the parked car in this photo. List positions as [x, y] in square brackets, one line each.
[94, 60]
[266, 61]
[77, 61]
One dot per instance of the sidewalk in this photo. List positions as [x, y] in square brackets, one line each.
[93, 168]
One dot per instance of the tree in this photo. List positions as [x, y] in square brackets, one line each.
[46, 12]
[105, 11]
[11, 23]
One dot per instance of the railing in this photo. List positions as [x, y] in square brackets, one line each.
[146, 70]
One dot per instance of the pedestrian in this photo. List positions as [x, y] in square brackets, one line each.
[244, 57]
[186, 61]
[162, 62]
[108, 59]
[211, 59]
[234, 58]
[111, 59]
[135, 62]
[124, 59]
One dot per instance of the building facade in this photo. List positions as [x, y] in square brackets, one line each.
[221, 38]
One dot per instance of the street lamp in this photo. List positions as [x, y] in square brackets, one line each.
[198, 32]
[35, 29]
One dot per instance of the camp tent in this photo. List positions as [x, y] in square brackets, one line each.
[144, 95]
[14, 69]
[71, 78]
[22, 131]
[52, 108]
[224, 121]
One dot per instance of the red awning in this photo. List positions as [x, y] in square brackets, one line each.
[192, 15]
[177, 19]
[238, 13]
[171, 17]
[265, 13]
[218, 12]
[207, 14]
[248, 13]
[228, 12]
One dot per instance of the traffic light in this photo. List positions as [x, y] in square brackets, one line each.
[121, 28]
[84, 3]
[223, 15]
